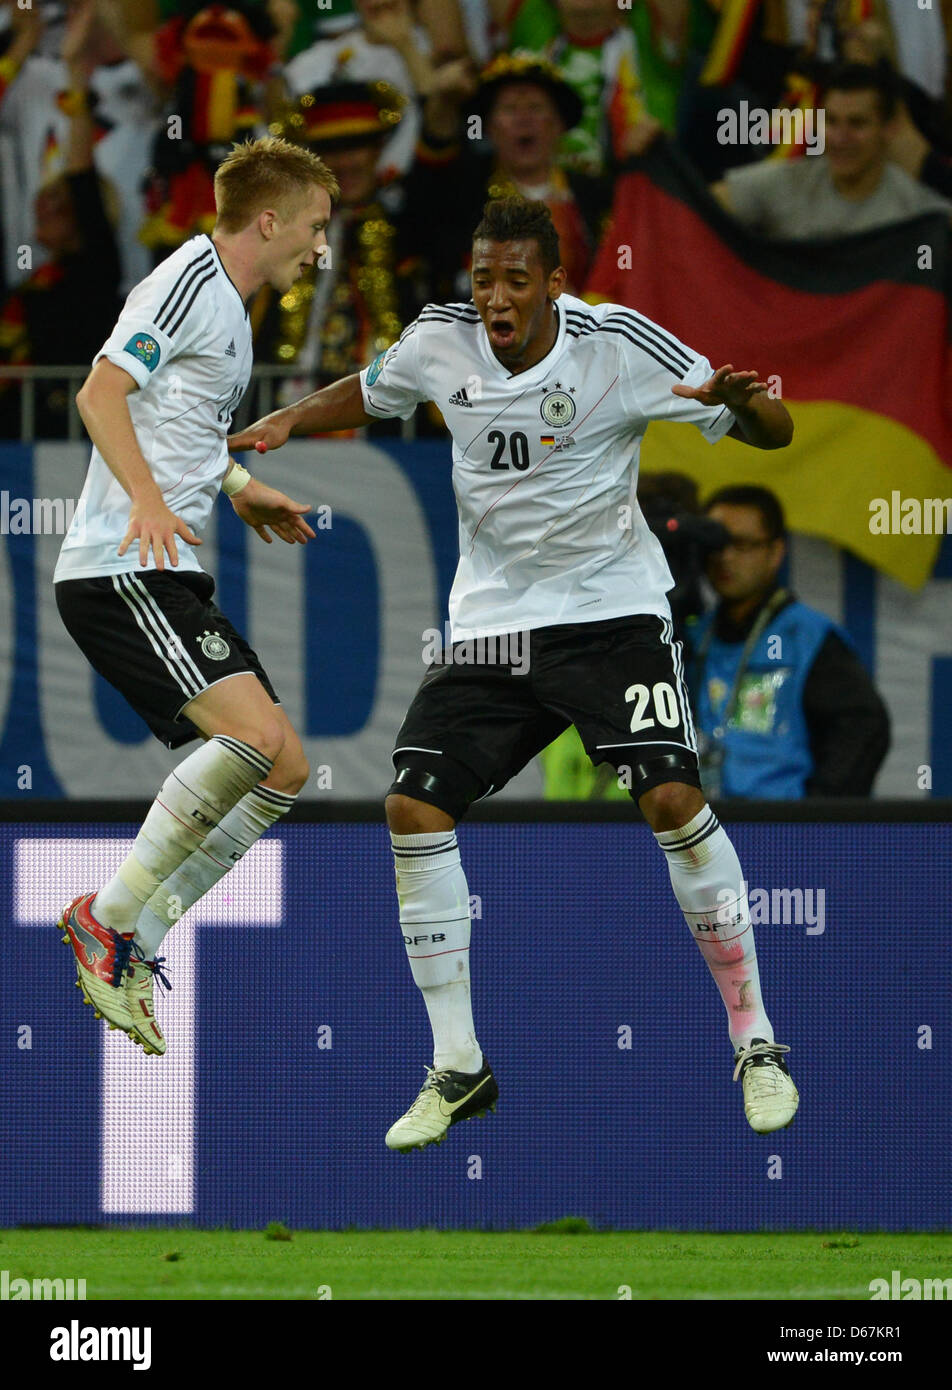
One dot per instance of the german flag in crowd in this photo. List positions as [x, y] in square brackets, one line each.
[731, 35]
[734, 25]
[852, 333]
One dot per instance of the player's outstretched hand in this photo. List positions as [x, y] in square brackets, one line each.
[260, 507]
[155, 527]
[271, 431]
[736, 390]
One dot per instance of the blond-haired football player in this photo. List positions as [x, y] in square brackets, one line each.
[129, 586]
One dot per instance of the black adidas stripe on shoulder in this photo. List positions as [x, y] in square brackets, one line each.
[639, 339]
[582, 327]
[644, 330]
[194, 295]
[431, 314]
[195, 268]
[434, 317]
[452, 311]
[653, 332]
[576, 322]
[652, 350]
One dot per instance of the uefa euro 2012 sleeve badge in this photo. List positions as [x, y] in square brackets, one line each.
[214, 646]
[144, 349]
[375, 368]
[558, 409]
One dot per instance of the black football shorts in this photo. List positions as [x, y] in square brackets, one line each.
[159, 639]
[493, 704]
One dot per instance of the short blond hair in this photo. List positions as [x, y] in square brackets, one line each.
[264, 173]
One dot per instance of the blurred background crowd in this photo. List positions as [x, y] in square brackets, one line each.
[115, 113]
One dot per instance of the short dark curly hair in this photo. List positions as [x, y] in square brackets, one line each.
[521, 219]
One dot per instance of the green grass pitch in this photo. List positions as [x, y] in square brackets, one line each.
[426, 1265]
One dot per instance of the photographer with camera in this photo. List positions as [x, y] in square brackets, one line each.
[784, 706]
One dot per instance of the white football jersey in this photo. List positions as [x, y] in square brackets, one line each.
[184, 335]
[545, 462]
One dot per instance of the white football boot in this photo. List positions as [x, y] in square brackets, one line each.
[139, 981]
[770, 1097]
[445, 1098]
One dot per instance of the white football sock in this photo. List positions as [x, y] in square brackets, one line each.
[434, 916]
[709, 885]
[220, 851]
[192, 800]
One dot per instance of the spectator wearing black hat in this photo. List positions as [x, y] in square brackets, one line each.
[492, 139]
[355, 301]
[624, 61]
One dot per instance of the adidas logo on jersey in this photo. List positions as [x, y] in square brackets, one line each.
[460, 398]
[230, 349]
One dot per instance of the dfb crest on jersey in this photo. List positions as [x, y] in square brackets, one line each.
[557, 409]
[214, 646]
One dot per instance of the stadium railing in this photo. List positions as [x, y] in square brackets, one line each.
[260, 398]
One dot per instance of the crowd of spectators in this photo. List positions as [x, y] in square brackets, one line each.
[114, 114]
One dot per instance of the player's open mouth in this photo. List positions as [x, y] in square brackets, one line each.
[501, 332]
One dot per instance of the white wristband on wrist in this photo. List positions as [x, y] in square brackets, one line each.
[236, 479]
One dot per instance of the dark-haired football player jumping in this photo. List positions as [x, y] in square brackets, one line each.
[547, 400]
